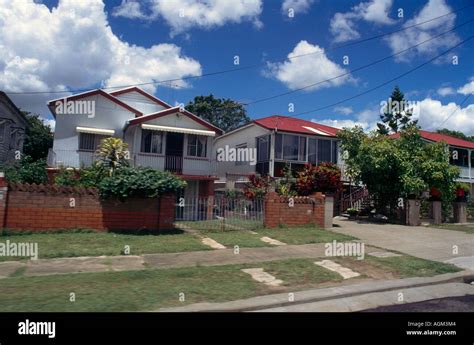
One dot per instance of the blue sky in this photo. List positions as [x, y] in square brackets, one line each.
[159, 44]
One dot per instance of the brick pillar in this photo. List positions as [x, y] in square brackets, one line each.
[166, 211]
[460, 212]
[413, 212]
[271, 206]
[319, 211]
[206, 190]
[3, 200]
[436, 213]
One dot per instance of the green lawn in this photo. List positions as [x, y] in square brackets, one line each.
[406, 266]
[297, 235]
[464, 228]
[151, 289]
[304, 235]
[55, 245]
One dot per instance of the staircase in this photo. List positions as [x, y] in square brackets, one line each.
[359, 199]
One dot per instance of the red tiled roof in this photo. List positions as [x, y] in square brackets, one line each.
[437, 137]
[291, 124]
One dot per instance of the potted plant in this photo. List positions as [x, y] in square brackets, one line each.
[462, 190]
[352, 212]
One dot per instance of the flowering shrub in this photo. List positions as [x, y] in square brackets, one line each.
[325, 178]
[257, 186]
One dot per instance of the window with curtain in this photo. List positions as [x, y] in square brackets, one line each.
[197, 145]
[152, 141]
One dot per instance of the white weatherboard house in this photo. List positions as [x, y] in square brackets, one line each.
[159, 135]
[279, 141]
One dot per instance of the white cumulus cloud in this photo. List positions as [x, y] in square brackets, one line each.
[73, 46]
[308, 64]
[343, 25]
[467, 88]
[434, 115]
[182, 15]
[446, 91]
[417, 34]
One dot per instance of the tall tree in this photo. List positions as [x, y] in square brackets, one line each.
[221, 112]
[397, 114]
[39, 137]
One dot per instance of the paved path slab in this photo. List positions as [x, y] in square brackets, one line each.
[212, 243]
[466, 262]
[426, 243]
[345, 272]
[272, 241]
[261, 276]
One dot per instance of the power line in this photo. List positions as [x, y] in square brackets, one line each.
[248, 66]
[385, 83]
[355, 69]
[455, 110]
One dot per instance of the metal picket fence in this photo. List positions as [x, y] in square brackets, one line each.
[219, 213]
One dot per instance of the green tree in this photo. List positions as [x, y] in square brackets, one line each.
[456, 134]
[223, 113]
[397, 115]
[403, 168]
[39, 137]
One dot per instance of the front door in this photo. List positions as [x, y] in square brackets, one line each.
[174, 152]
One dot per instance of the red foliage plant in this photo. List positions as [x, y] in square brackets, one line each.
[325, 178]
[257, 186]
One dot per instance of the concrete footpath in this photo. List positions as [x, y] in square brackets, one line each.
[353, 297]
[166, 260]
[441, 245]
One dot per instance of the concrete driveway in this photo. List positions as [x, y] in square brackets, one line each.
[451, 246]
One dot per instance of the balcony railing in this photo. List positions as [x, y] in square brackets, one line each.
[174, 164]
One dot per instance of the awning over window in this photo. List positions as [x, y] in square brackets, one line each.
[178, 130]
[95, 130]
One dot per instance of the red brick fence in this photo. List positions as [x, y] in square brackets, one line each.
[49, 207]
[315, 209]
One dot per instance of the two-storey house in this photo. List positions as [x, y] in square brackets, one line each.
[158, 135]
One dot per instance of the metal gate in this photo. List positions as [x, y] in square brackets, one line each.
[219, 213]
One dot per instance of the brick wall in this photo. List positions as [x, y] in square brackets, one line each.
[49, 207]
[306, 210]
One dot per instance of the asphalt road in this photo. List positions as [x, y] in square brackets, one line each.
[451, 304]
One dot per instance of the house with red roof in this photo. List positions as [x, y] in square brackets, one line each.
[277, 141]
[462, 152]
[158, 135]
